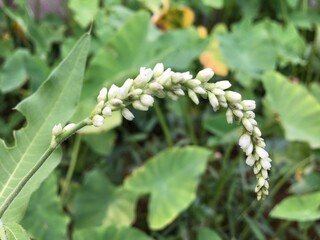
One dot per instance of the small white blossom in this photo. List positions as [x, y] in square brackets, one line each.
[158, 69]
[250, 160]
[124, 89]
[115, 102]
[177, 77]
[179, 92]
[249, 114]
[232, 96]
[199, 90]
[218, 92]
[205, 75]
[155, 86]
[186, 76]
[261, 152]
[193, 83]
[229, 116]
[223, 85]
[143, 78]
[165, 76]
[257, 131]
[213, 101]
[127, 114]
[193, 96]
[238, 113]
[147, 100]
[265, 163]
[248, 105]
[113, 91]
[68, 127]
[139, 106]
[249, 149]
[107, 111]
[247, 124]
[261, 181]
[244, 140]
[57, 130]
[264, 173]
[102, 95]
[97, 120]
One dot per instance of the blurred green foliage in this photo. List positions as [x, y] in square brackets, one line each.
[128, 182]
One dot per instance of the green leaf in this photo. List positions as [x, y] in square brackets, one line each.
[14, 72]
[14, 231]
[98, 202]
[248, 51]
[171, 178]
[112, 232]
[217, 4]
[299, 111]
[84, 11]
[53, 103]
[208, 234]
[44, 218]
[298, 208]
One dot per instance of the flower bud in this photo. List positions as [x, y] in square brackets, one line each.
[244, 141]
[57, 130]
[264, 173]
[261, 181]
[127, 114]
[205, 75]
[261, 152]
[229, 116]
[248, 105]
[113, 91]
[69, 127]
[265, 163]
[238, 113]
[249, 149]
[193, 83]
[102, 95]
[199, 90]
[137, 92]
[213, 101]
[193, 96]
[179, 92]
[143, 78]
[124, 89]
[97, 120]
[249, 114]
[177, 77]
[186, 76]
[253, 122]
[139, 106]
[115, 102]
[257, 131]
[232, 96]
[147, 100]
[165, 76]
[155, 86]
[107, 111]
[250, 160]
[158, 69]
[217, 92]
[247, 124]
[223, 85]
[172, 96]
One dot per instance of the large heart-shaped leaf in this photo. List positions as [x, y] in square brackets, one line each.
[54, 102]
[111, 232]
[171, 178]
[44, 218]
[299, 110]
[103, 203]
[298, 208]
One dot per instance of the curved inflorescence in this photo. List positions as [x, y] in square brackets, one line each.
[160, 82]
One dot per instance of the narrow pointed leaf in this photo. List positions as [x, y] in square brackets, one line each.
[54, 102]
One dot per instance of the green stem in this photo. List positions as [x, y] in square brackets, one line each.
[61, 138]
[163, 125]
[187, 118]
[72, 165]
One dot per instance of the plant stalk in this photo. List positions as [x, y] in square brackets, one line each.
[61, 138]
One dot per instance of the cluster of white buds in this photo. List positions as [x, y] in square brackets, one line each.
[160, 82]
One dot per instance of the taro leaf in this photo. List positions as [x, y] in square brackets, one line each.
[14, 72]
[54, 102]
[14, 231]
[44, 218]
[207, 234]
[111, 232]
[248, 51]
[84, 11]
[299, 110]
[298, 208]
[132, 47]
[99, 202]
[171, 178]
